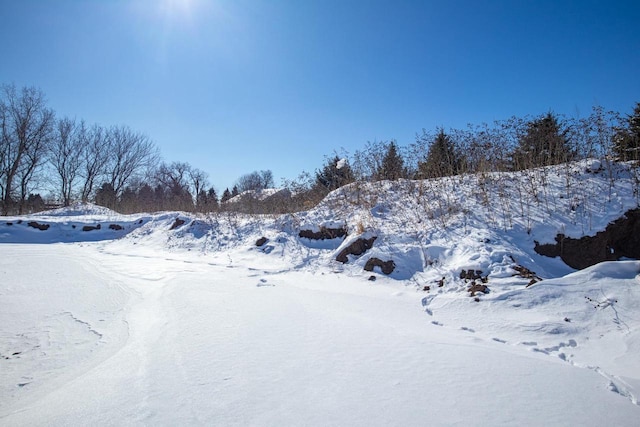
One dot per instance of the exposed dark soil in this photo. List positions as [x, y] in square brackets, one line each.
[621, 239]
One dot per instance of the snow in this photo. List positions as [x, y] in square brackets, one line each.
[196, 325]
[261, 194]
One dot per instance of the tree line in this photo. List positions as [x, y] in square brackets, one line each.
[514, 144]
[121, 169]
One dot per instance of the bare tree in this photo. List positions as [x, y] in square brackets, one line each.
[26, 125]
[94, 159]
[174, 175]
[199, 182]
[368, 161]
[130, 154]
[175, 178]
[255, 181]
[65, 155]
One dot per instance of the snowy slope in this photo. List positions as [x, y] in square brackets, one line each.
[181, 319]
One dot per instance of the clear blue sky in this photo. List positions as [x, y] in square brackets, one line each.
[233, 86]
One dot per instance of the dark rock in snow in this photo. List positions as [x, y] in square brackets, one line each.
[324, 233]
[115, 227]
[261, 241]
[387, 267]
[178, 222]
[477, 288]
[39, 226]
[358, 247]
[470, 274]
[91, 227]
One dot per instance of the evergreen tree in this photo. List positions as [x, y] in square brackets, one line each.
[335, 173]
[392, 166]
[235, 191]
[201, 201]
[627, 141]
[128, 202]
[106, 196]
[146, 199]
[212, 199]
[442, 158]
[543, 144]
[35, 203]
[207, 201]
[160, 197]
[226, 195]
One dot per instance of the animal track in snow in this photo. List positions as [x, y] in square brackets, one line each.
[547, 350]
[263, 282]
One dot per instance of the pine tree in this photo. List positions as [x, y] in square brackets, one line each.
[544, 144]
[392, 167]
[159, 197]
[146, 199]
[627, 141]
[442, 158]
[106, 196]
[35, 203]
[128, 202]
[226, 195]
[335, 173]
[212, 199]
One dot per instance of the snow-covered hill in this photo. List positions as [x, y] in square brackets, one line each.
[176, 318]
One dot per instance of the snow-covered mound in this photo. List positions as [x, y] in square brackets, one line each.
[79, 209]
[260, 195]
[76, 223]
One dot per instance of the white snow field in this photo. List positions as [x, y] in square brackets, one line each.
[196, 325]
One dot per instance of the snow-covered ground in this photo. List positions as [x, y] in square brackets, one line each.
[152, 321]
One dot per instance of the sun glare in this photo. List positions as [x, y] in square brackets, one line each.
[182, 9]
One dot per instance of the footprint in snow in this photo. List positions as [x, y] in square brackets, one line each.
[263, 282]
[437, 323]
[464, 328]
[499, 340]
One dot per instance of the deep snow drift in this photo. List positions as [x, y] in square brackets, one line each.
[149, 320]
